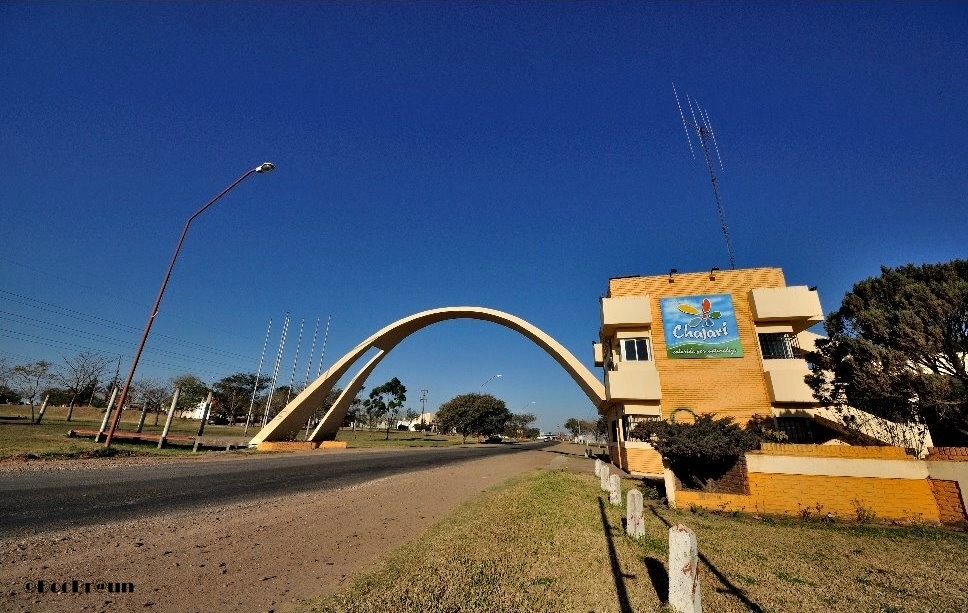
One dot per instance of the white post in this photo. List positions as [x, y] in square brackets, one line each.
[635, 514]
[604, 475]
[107, 413]
[43, 407]
[171, 413]
[615, 490]
[598, 467]
[684, 593]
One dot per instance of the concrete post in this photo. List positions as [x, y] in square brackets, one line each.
[615, 490]
[604, 475]
[107, 413]
[598, 467]
[43, 407]
[635, 514]
[205, 409]
[171, 413]
[684, 593]
[141, 420]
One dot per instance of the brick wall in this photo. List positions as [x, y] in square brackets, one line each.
[951, 454]
[947, 495]
[835, 451]
[642, 461]
[696, 384]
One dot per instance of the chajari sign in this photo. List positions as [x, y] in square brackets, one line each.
[700, 327]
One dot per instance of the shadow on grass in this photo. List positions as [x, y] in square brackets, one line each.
[659, 577]
[620, 590]
[731, 588]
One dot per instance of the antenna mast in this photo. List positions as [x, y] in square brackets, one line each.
[704, 132]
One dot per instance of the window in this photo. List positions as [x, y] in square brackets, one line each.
[630, 421]
[635, 349]
[778, 346]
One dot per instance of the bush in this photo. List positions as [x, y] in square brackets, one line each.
[703, 450]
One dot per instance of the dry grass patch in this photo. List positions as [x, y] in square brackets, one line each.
[538, 543]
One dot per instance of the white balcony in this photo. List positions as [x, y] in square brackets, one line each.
[784, 380]
[798, 305]
[633, 381]
[626, 312]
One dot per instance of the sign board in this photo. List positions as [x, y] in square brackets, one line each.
[699, 327]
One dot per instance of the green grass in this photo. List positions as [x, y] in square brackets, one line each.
[19, 438]
[537, 543]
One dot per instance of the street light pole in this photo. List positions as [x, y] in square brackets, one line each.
[489, 380]
[261, 168]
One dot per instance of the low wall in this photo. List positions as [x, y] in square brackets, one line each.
[299, 445]
[951, 454]
[640, 460]
[847, 482]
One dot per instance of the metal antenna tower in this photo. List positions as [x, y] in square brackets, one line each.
[255, 388]
[295, 360]
[704, 132]
[275, 370]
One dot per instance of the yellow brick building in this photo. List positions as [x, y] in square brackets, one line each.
[680, 344]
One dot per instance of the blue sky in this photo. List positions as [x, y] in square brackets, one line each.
[509, 155]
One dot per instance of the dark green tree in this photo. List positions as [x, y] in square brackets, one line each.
[519, 425]
[385, 402]
[698, 451]
[193, 390]
[234, 393]
[473, 414]
[896, 348]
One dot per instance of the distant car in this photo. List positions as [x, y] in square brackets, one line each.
[494, 438]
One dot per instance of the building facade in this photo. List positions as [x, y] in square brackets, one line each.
[723, 342]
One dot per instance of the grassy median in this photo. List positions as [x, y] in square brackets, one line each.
[22, 439]
[549, 541]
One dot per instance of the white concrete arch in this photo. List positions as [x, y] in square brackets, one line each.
[287, 423]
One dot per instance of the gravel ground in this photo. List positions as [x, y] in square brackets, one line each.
[251, 556]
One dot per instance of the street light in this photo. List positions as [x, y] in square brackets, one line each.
[489, 380]
[261, 169]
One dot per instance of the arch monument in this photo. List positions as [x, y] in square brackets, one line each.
[285, 425]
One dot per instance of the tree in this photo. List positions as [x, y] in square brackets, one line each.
[193, 390]
[519, 425]
[151, 394]
[81, 375]
[30, 379]
[578, 427]
[699, 451]
[896, 348]
[385, 401]
[473, 414]
[234, 393]
[573, 425]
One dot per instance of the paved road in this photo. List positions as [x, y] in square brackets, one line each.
[38, 501]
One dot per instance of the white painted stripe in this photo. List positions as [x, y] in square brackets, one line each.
[837, 467]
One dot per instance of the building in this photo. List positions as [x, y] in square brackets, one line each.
[723, 342]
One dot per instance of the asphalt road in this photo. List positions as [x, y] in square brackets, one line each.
[34, 501]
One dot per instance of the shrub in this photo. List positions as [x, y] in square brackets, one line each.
[703, 450]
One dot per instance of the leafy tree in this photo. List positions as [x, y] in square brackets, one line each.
[601, 428]
[30, 379]
[704, 449]
[81, 375]
[234, 393]
[193, 390]
[572, 425]
[519, 425]
[385, 401]
[473, 414]
[897, 348]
